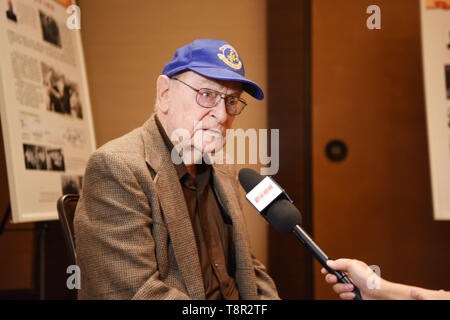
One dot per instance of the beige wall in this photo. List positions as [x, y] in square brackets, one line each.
[127, 43]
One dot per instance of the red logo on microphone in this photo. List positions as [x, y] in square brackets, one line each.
[264, 193]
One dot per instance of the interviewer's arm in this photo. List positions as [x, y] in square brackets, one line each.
[372, 286]
[425, 294]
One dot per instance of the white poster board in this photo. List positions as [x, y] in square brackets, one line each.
[435, 20]
[44, 102]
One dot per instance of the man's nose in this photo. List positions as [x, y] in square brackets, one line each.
[220, 111]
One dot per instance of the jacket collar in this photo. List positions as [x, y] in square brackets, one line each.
[176, 215]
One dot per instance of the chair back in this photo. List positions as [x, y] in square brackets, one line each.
[66, 211]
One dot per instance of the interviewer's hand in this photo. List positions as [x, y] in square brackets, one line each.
[425, 294]
[359, 273]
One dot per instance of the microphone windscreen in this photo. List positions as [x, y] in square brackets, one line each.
[283, 216]
[249, 178]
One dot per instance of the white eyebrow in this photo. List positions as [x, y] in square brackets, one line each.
[220, 88]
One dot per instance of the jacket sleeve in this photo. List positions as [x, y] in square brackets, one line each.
[264, 283]
[114, 245]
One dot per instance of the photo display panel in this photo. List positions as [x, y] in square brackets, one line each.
[44, 102]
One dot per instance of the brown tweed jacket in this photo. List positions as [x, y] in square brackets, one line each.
[133, 234]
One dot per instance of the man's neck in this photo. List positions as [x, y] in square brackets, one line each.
[191, 169]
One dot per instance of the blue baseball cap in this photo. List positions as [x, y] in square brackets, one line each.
[215, 59]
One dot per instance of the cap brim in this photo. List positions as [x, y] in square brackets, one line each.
[222, 74]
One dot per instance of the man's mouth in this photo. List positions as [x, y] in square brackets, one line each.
[212, 131]
[211, 134]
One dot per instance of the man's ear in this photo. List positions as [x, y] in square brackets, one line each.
[162, 93]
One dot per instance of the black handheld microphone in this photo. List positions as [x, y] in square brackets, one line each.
[277, 209]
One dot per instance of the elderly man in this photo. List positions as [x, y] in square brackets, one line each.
[157, 222]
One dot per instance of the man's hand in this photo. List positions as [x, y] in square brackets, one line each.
[359, 273]
[425, 294]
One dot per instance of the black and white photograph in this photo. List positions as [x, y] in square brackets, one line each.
[55, 160]
[71, 184]
[62, 94]
[35, 157]
[50, 29]
[41, 158]
[10, 13]
[29, 152]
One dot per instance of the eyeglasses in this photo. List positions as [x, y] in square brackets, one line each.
[209, 98]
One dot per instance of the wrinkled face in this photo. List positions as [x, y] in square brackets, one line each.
[205, 126]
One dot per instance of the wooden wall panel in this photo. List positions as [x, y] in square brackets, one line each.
[288, 37]
[367, 91]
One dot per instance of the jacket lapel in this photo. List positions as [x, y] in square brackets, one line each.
[174, 208]
[224, 184]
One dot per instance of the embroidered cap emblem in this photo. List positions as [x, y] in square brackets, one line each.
[230, 57]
